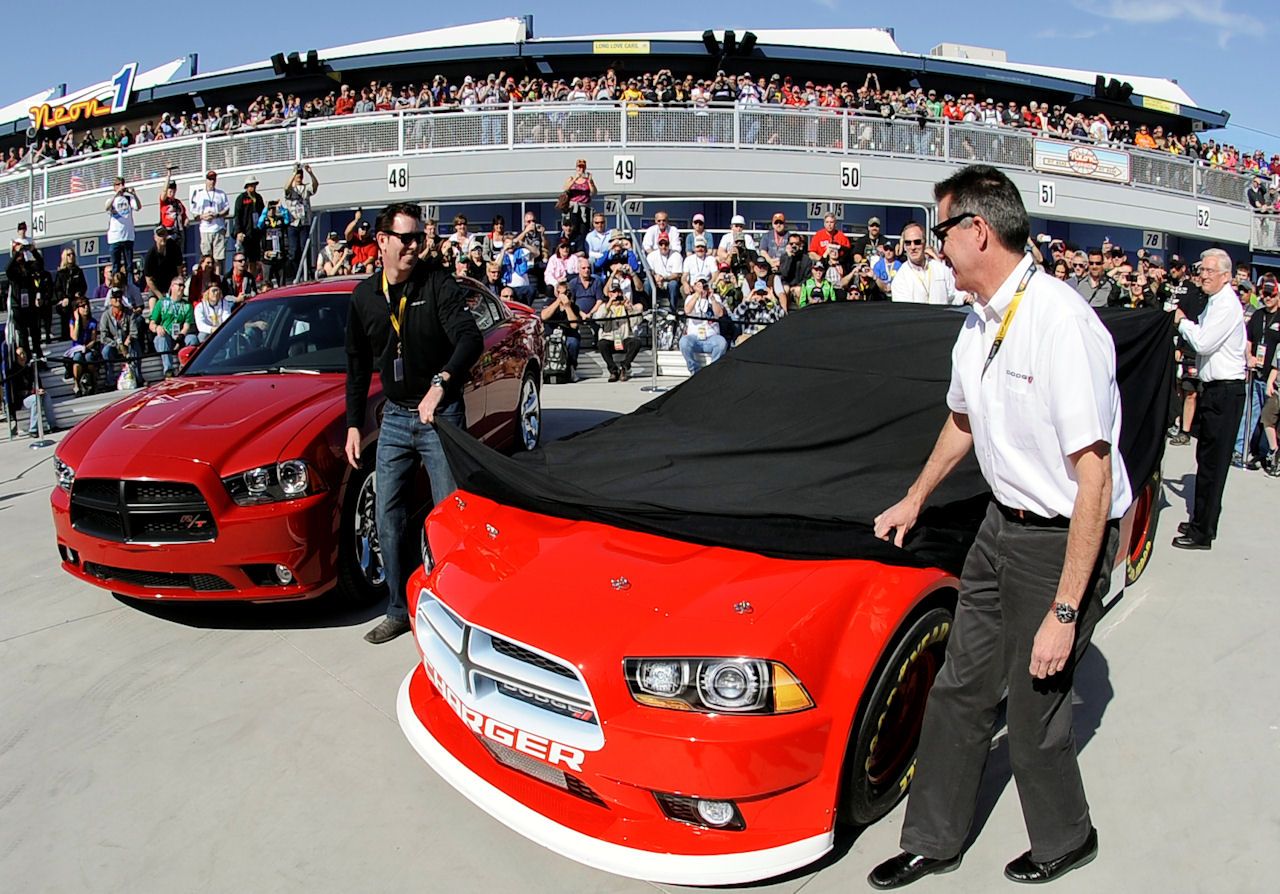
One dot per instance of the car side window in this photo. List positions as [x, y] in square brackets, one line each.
[483, 309]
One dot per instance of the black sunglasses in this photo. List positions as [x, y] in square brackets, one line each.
[940, 230]
[414, 238]
[913, 242]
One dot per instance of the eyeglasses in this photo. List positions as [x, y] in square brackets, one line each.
[414, 238]
[913, 242]
[941, 230]
[779, 223]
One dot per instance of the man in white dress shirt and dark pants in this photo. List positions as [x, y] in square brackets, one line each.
[1219, 342]
[922, 279]
[1034, 394]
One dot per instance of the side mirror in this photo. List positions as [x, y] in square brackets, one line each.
[184, 354]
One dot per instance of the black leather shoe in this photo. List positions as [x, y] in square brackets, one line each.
[1184, 527]
[388, 630]
[1186, 541]
[1029, 872]
[907, 868]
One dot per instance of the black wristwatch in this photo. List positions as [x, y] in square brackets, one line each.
[438, 381]
[1065, 613]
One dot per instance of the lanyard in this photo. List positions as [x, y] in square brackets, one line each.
[1008, 317]
[927, 282]
[397, 318]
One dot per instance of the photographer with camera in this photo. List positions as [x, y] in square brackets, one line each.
[334, 259]
[616, 321]
[120, 230]
[118, 330]
[1262, 334]
[562, 314]
[274, 224]
[736, 246]
[363, 247]
[703, 310]
[794, 269]
[297, 202]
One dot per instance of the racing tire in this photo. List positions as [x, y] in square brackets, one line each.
[362, 578]
[882, 751]
[1146, 512]
[529, 414]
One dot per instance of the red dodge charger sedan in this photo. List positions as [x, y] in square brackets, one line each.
[229, 480]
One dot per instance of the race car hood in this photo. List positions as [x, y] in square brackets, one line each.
[229, 423]
[581, 588]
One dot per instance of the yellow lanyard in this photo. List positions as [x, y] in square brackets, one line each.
[397, 319]
[927, 282]
[1008, 317]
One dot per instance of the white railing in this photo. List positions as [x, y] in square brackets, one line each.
[563, 125]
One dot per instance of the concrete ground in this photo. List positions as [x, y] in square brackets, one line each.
[250, 748]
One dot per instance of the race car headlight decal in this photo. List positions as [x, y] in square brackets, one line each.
[285, 480]
[66, 476]
[717, 685]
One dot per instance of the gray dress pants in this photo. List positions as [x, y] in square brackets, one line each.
[1008, 584]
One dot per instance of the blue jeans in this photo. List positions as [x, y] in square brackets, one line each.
[1254, 398]
[165, 345]
[715, 345]
[404, 440]
[112, 355]
[50, 421]
[672, 290]
[122, 256]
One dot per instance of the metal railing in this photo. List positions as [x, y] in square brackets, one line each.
[571, 125]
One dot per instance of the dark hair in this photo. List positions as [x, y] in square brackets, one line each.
[986, 192]
[388, 214]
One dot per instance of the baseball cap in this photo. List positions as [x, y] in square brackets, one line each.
[699, 240]
[723, 265]
[162, 231]
[364, 225]
[251, 179]
[739, 220]
[171, 185]
[1176, 261]
[333, 234]
[615, 235]
[698, 218]
[873, 222]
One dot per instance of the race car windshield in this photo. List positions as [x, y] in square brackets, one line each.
[275, 335]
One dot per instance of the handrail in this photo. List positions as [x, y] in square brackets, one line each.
[589, 125]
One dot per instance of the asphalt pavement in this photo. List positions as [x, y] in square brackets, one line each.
[255, 748]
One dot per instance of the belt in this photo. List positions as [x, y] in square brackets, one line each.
[1031, 520]
[1222, 383]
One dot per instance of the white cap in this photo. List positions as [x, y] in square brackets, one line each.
[738, 219]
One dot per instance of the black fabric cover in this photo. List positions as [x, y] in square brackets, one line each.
[795, 441]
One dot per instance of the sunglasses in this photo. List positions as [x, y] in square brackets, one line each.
[913, 242]
[941, 230]
[414, 238]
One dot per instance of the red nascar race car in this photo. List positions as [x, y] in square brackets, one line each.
[229, 480]
[671, 647]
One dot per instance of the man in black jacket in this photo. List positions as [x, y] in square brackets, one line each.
[247, 209]
[412, 323]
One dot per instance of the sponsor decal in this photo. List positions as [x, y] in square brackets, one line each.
[620, 47]
[1026, 377]
[110, 99]
[1093, 162]
[192, 522]
[547, 750]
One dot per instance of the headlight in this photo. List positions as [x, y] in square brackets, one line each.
[65, 475]
[718, 685]
[285, 480]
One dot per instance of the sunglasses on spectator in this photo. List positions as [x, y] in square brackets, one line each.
[412, 238]
[941, 230]
[913, 242]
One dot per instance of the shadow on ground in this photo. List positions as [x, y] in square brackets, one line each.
[326, 611]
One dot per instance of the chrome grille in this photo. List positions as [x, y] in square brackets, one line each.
[514, 683]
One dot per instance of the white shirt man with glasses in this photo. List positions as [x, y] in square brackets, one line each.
[923, 279]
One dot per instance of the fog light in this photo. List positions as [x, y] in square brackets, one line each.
[715, 813]
[283, 574]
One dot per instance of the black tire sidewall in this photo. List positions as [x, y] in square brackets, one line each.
[520, 446]
[861, 802]
[352, 586]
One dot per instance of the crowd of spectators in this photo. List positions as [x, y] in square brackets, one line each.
[662, 89]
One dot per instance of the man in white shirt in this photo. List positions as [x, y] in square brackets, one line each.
[120, 231]
[1034, 395]
[667, 267]
[1219, 342]
[597, 239]
[701, 331]
[661, 227]
[700, 265]
[211, 207]
[922, 280]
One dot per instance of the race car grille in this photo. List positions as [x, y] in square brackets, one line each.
[141, 511]
[514, 683]
[521, 654]
[157, 580]
[522, 763]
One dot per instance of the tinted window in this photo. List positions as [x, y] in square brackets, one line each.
[298, 332]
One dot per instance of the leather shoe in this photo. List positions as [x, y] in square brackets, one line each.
[388, 630]
[1028, 871]
[1184, 527]
[1186, 541]
[907, 868]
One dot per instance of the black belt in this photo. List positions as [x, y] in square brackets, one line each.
[1222, 383]
[1031, 520]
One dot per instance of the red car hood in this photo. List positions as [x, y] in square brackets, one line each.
[230, 423]
[564, 585]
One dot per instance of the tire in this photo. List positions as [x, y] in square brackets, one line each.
[528, 414]
[1146, 513]
[361, 577]
[882, 751]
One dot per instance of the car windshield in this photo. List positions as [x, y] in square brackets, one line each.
[299, 333]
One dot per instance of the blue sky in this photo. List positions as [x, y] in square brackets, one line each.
[1215, 49]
